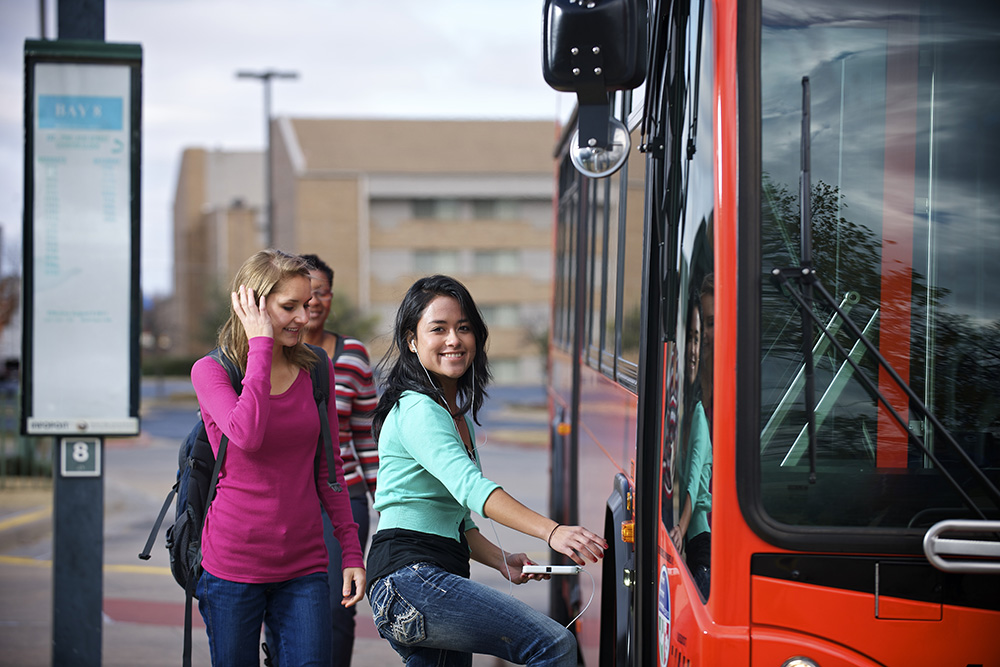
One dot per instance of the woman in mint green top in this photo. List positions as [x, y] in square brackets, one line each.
[414, 496]
[693, 528]
[429, 482]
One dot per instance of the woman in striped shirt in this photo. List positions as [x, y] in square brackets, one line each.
[356, 399]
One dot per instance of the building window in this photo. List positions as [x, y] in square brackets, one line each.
[501, 315]
[506, 262]
[496, 209]
[435, 261]
[437, 209]
[506, 371]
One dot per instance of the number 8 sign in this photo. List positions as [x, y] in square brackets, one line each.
[80, 457]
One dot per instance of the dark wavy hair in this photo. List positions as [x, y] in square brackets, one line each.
[402, 371]
[319, 265]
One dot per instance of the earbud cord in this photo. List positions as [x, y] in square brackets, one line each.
[503, 552]
[496, 535]
[593, 588]
[438, 389]
[475, 456]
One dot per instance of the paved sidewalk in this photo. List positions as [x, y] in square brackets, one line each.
[143, 608]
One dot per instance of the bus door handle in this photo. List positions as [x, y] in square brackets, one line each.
[964, 546]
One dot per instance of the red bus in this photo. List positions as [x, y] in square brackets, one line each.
[774, 366]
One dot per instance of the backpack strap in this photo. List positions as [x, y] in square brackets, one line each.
[145, 553]
[232, 370]
[338, 349]
[236, 378]
[188, 621]
[320, 374]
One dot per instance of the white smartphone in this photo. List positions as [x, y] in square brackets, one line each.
[551, 569]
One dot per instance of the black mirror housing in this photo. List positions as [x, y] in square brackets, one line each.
[592, 45]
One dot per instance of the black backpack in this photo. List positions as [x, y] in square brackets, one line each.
[197, 474]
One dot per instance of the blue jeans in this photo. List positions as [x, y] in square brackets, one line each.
[343, 617]
[699, 560]
[434, 618]
[342, 628]
[297, 611]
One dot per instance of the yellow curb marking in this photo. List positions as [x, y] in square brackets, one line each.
[138, 569]
[17, 560]
[128, 569]
[27, 517]
[37, 515]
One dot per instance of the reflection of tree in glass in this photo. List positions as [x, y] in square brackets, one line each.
[967, 376]
[847, 258]
[840, 248]
[966, 360]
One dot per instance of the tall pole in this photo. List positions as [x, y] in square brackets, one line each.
[265, 77]
[78, 501]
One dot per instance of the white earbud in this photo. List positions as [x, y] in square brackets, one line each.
[413, 347]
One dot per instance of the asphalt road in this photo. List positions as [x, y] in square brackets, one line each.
[143, 606]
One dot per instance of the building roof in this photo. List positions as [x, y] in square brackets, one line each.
[419, 146]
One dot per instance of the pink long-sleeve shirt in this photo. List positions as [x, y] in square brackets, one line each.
[264, 525]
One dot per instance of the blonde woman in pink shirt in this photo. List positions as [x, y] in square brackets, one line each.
[262, 547]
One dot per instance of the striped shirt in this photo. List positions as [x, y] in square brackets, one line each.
[355, 402]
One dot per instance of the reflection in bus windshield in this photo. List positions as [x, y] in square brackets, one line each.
[693, 531]
[905, 219]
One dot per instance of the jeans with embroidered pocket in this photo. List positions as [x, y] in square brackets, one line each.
[434, 618]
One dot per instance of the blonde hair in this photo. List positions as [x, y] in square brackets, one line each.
[263, 273]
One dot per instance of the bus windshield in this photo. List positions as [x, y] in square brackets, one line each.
[905, 198]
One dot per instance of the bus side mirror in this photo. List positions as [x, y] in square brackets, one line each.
[592, 48]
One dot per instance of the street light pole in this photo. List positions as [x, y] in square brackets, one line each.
[265, 77]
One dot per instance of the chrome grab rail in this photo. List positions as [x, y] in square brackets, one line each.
[968, 554]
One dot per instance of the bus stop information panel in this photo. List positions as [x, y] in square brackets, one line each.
[81, 243]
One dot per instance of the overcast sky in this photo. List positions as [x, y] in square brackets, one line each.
[354, 58]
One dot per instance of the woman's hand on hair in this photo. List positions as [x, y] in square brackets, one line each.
[253, 314]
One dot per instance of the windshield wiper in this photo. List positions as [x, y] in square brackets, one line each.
[805, 213]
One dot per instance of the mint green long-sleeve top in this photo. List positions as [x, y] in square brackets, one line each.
[426, 479]
[699, 473]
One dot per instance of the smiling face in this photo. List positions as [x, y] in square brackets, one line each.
[286, 304]
[319, 304]
[444, 341]
[693, 344]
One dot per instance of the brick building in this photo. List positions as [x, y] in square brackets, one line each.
[383, 202]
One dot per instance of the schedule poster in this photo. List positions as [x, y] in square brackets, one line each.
[81, 333]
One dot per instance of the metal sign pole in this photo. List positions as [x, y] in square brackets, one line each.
[78, 552]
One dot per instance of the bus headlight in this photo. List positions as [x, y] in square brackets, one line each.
[799, 661]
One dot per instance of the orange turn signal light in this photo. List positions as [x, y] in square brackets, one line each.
[628, 532]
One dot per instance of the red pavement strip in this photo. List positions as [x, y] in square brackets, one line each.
[143, 612]
[122, 610]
